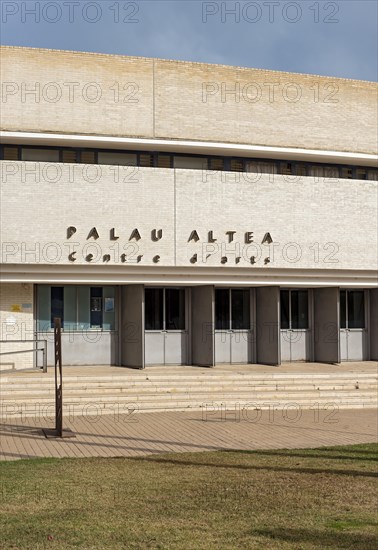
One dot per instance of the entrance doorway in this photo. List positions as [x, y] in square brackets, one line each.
[295, 331]
[166, 322]
[233, 338]
[352, 325]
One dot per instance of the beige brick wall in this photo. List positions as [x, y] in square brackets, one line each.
[253, 106]
[76, 93]
[326, 224]
[16, 321]
[85, 197]
[180, 100]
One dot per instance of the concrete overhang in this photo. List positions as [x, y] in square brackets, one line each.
[186, 276]
[189, 147]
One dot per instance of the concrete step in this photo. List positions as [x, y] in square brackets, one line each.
[138, 377]
[117, 388]
[170, 398]
[209, 387]
[34, 394]
[94, 410]
[88, 383]
[203, 398]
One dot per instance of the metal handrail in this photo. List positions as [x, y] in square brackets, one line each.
[34, 349]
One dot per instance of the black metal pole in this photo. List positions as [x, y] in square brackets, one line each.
[58, 431]
[58, 382]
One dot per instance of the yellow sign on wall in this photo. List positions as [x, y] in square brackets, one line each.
[16, 308]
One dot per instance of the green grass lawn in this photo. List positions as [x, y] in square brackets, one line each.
[318, 498]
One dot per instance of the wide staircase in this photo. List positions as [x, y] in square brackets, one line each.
[93, 391]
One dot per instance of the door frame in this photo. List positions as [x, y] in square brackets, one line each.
[309, 332]
[231, 332]
[165, 331]
[365, 331]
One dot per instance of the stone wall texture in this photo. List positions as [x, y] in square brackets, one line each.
[314, 223]
[96, 94]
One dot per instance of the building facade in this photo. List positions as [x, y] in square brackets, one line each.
[184, 213]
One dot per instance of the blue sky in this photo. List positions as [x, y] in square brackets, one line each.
[319, 37]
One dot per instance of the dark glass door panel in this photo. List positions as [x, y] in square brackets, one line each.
[299, 309]
[175, 309]
[154, 309]
[57, 309]
[285, 309]
[356, 309]
[240, 310]
[222, 309]
[343, 310]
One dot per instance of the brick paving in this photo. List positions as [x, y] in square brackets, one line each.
[143, 433]
[137, 434]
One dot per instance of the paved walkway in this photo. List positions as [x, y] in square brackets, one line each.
[139, 434]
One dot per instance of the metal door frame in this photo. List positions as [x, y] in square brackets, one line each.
[230, 331]
[164, 331]
[308, 331]
[365, 330]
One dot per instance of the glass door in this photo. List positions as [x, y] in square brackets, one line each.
[166, 335]
[352, 325]
[232, 325]
[295, 334]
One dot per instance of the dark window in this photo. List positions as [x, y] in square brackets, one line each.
[96, 307]
[285, 310]
[69, 156]
[146, 159]
[331, 172]
[294, 309]
[88, 157]
[191, 163]
[172, 160]
[154, 309]
[57, 308]
[373, 174]
[222, 309]
[356, 309]
[301, 170]
[236, 165]
[216, 164]
[286, 168]
[117, 159]
[165, 309]
[175, 309]
[240, 318]
[352, 309]
[11, 153]
[40, 155]
[164, 161]
[343, 321]
[362, 173]
[347, 172]
[299, 309]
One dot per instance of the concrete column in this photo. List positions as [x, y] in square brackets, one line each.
[132, 326]
[268, 348]
[373, 323]
[327, 325]
[203, 340]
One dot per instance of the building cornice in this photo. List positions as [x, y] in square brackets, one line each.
[190, 147]
[188, 276]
